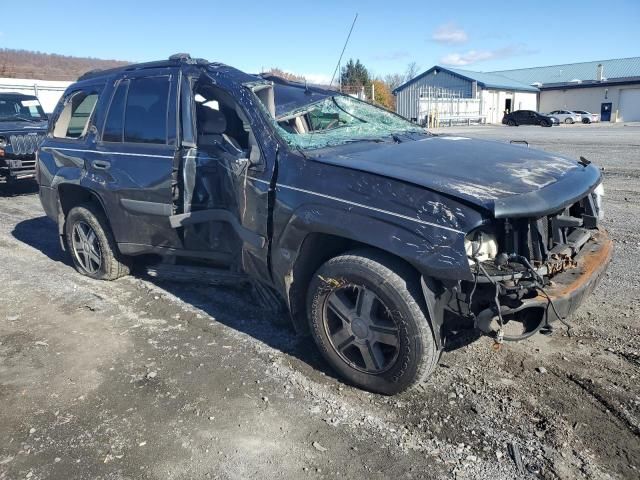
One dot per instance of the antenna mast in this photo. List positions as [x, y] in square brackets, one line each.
[341, 54]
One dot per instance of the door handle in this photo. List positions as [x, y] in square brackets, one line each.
[100, 165]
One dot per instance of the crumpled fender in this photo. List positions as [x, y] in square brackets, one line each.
[434, 251]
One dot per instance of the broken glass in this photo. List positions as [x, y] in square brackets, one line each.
[337, 120]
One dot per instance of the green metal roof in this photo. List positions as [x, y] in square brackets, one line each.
[614, 68]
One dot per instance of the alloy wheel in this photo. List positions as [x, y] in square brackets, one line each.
[86, 247]
[361, 329]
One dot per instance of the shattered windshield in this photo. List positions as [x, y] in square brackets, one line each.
[337, 120]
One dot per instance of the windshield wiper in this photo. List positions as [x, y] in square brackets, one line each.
[26, 119]
[374, 140]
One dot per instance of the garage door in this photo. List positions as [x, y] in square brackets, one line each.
[630, 105]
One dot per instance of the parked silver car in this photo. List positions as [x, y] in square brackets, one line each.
[588, 117]
[566, 116]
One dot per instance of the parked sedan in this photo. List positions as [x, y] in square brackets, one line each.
[566, 116]
[528, 117]
[588, 117]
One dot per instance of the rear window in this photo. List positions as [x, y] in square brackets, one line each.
[145, 119]
[74, 119]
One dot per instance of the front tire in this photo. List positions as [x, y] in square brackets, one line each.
[511, 123]
[366, 316]
[92, 246]
[545, 123]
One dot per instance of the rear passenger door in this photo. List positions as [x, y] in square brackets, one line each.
[135, 157]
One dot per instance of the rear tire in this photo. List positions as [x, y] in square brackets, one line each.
[586, 120]
[568, 121]
[91, 244]
[366, 316]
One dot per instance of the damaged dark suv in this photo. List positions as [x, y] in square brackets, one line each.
[375, 234]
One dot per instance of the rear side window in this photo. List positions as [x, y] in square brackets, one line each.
[145, 118]
[114, 124]
[74, 119]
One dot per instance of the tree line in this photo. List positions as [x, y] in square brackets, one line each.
[49, 66]
[355, 75]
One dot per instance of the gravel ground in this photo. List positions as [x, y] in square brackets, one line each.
[134, 379]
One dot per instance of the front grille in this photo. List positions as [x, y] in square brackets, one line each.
[559, 236]
[25, 144]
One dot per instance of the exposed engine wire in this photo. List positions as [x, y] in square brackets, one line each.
[538, 286]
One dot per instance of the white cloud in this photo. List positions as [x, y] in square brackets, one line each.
[449, 34]
[475, 56]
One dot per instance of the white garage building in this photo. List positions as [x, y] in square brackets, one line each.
[608, 87]
[456, 95]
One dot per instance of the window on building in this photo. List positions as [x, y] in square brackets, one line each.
[145, 119]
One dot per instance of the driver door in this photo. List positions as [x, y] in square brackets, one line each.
[225, 175]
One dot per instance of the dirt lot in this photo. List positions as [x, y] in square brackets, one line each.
[133, 379]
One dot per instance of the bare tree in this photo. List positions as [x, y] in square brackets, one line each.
[278, 72]
[393, 80]
[412, 71]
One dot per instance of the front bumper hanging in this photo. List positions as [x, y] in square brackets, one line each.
[559, 298]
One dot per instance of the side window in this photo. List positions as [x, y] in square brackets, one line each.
[113, 126]
[145, 119]
[73, 121]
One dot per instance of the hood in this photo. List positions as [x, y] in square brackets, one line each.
[19, 126]
[507, 180]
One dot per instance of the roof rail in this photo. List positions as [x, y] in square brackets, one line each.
[186, 58]
[171, 61]
[180, 57]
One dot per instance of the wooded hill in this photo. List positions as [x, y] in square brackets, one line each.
[48, 66]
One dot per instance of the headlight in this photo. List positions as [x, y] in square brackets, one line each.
[598, 193]
[481, 245]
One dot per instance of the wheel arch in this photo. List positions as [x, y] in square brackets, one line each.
[71, 195]
[315, 250]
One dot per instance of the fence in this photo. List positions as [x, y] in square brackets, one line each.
[362, 93]
[443, 107]
[47, 91]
